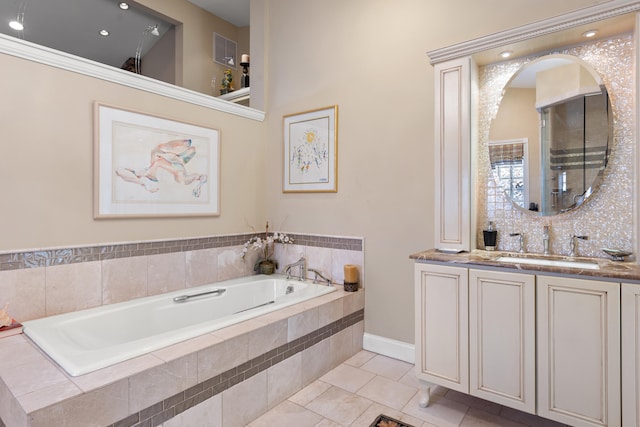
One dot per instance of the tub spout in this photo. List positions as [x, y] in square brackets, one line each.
[318, 274]
[302, 264]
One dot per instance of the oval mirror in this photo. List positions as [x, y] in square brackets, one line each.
[550, 140]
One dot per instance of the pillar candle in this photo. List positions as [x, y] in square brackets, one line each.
[350, 273]
[245, 58]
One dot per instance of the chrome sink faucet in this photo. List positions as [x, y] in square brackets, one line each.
[545, 239]
[521, 240]
[573, 245]
[302, 264]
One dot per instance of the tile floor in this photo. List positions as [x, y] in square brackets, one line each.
[368, 384]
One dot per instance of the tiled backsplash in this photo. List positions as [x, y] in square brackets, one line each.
[48, 257]
[607, 217]
[46, 282]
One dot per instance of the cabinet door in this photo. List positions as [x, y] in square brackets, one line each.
[452, 154]
[578, 351]
[502, 338]
[442, 347]
[630, 355]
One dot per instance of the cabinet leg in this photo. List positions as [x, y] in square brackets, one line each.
[425, 394]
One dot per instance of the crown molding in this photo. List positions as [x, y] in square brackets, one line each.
[44, 55]
[552, 25]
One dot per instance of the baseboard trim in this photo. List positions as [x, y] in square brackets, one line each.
[388, 347]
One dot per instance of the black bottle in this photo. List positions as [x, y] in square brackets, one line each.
[490, 237]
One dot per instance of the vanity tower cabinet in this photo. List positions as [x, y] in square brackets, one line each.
[452, 167]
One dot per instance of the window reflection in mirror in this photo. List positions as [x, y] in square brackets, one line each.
[509, 165]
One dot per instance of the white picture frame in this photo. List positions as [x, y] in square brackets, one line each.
[150, 166]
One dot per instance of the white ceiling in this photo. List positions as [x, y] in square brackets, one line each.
[72, 25]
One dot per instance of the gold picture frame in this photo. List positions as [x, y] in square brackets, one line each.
[310, 151]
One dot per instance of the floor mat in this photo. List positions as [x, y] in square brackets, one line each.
[385, 421]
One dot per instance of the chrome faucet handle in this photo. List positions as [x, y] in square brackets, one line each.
[521, 240]
[574, 244]
[545, 239]
[318, 274]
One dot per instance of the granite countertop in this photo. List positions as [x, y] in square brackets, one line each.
[608, 269]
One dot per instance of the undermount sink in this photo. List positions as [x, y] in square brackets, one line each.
[550, 262]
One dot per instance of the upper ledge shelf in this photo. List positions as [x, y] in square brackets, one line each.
[44, 55]
[239, 95]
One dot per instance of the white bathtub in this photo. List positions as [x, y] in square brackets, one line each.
[87, 340]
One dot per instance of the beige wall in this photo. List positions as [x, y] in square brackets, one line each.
[368, 56]
[47, 169]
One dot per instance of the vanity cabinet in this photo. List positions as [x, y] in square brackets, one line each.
[502, 338]
[475, 333]
[442, 327]
[542, 344]
[630, 355]
[578, 348]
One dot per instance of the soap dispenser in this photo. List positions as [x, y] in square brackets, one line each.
[490, 237]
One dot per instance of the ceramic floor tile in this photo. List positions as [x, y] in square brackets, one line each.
[339, 405]
[327, 423]
[387, 392]
[441, 412]
[360, 358]
[288, 414]
[479, 418]
[528, 419]
[336, 406]
[473, 402]
[347, 377]
[387, 367]
[377, 409]
[310, 392]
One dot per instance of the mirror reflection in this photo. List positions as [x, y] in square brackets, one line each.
[549, 143]
[168, 41]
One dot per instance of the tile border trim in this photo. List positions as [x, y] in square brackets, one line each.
[170, 407]
[61, 256]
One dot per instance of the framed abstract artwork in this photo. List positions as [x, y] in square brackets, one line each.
[311, 151]
[149, 166]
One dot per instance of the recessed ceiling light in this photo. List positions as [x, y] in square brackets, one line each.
[123, 6]
[104, 32]
[16, 25]
[590, 33]
[506, 54]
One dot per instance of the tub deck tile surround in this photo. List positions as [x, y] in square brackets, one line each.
[45, 282]
[310, 338]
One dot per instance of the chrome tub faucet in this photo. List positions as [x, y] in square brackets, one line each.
[318, 274]
[302, 264]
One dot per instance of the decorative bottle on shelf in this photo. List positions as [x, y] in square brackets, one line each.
[490, 237]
